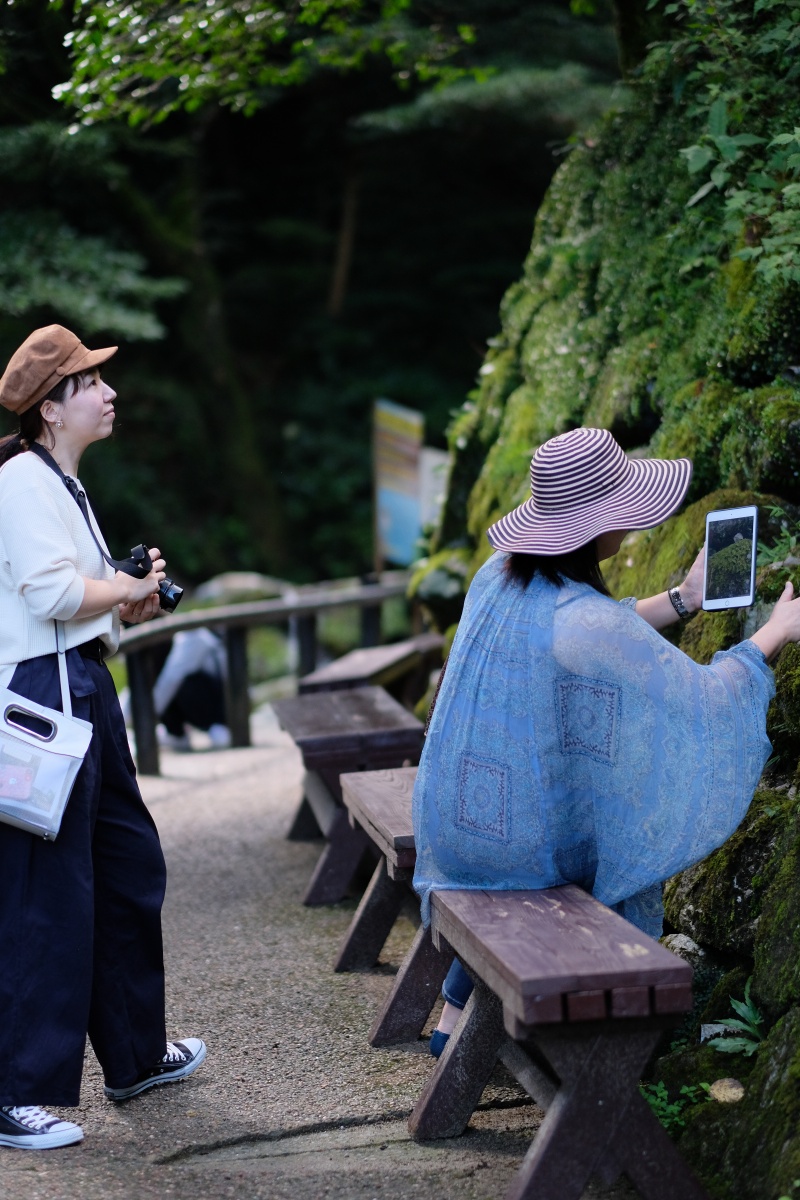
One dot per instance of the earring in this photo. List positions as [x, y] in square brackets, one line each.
[59, 424]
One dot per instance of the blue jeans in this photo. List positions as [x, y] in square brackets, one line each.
[457, 987]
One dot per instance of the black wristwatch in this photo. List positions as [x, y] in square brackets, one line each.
[677, 603]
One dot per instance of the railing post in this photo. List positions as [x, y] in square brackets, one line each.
[143, 711]
[370, 616]
[237, 695]
[306, 644]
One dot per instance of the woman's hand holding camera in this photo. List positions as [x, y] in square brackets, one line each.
[142, 601]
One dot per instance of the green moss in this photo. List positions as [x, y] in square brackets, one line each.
[718, 1005]
[439, 584]
[719, 901]
[783, 719]
[776, 977]
[751, 1150]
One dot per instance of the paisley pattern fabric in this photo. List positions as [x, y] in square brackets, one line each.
[571, 743]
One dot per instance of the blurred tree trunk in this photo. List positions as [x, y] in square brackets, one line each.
[636, 28]
[175, 240]
[344, 244]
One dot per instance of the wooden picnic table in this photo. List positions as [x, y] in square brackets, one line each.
[379, 803]
[358, 729]
[398, 667]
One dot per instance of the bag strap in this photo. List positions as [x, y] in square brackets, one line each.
[77, 495]
[61, 642]
[80, 499]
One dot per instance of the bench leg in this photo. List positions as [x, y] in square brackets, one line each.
[644, 1151]
[338, 862]
[415, 991]
[305, 827]
[452, 1092]
[589, 1127]
[372, 923]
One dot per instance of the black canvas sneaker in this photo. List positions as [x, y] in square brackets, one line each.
[28, 1127]
[181, 1059]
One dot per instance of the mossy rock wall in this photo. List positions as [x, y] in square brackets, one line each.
[624, 318]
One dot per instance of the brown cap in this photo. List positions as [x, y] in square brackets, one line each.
[42, 360]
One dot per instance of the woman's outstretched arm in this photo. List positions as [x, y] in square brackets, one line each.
[659, 611]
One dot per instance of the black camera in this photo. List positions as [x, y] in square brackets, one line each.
[139, 565]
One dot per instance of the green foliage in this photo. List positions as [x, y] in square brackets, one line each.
[784, 545]
[738, 59]
[747, 1025]
[672, 1113]
[529, 96]
[46, 265]
[146, 59]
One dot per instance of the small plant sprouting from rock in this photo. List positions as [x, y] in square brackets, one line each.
[785, 544]
[747, 1027]
[671, 1113]
[795, 1186]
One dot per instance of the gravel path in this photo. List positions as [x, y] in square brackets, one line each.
[292, 1100]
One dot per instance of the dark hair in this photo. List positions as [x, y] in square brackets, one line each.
[32, 424]
[580, 565]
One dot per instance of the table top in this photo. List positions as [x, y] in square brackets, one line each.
[348, 721]
[372, 664]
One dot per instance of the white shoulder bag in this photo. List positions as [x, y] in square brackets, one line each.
[41, 752]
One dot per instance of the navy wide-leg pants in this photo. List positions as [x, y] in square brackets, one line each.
[80, 917]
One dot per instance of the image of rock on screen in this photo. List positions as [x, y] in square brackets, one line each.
[729, 550]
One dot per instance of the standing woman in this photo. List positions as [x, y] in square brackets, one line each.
[80, 917]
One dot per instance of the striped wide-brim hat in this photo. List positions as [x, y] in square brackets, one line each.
[583, 484]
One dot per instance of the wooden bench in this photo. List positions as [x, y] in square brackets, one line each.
[379, 803]
[573, 1000]
[342, 731]
[403, 668]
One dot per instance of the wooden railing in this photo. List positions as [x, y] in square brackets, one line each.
[233, 621]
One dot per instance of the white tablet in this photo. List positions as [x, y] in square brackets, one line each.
[730, 572]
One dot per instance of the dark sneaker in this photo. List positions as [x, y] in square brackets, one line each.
[181, 1059]
[28, 1127]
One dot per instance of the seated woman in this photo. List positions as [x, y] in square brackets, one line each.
[570, 742]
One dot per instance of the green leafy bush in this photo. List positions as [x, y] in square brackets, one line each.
[746, 1025]
[672, 1113]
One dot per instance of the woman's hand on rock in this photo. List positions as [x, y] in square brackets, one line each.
[786, 614]
[783, 625]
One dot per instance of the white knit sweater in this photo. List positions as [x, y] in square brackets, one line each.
[45, 549]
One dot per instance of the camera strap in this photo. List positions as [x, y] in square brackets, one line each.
[77, 495]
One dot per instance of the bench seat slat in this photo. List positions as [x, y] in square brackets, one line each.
[586, 1006]
[528, 945]
[630, 1002]
[381, 803]
[669, 998]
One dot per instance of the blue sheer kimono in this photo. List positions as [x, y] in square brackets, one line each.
[571, 743]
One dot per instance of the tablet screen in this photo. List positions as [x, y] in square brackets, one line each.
[730, 557]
